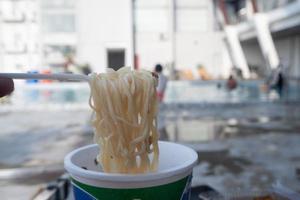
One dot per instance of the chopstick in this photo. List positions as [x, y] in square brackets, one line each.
[60, 77]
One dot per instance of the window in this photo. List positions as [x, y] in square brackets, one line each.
[58, 3]
[55, 23]
[115, 58]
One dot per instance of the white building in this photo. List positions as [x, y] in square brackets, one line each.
[39, 34]
[59, 36]
[105, 31]
[19, 34]
[263, 35]
[175, 33]
[95, 32]
[182, 33]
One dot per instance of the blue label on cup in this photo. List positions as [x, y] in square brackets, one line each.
[186, 195]
[81, 194]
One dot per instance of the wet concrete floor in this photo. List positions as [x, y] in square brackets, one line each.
[235, 154]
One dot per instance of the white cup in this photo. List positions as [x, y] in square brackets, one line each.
[171, 181]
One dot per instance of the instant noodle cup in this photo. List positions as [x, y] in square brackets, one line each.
[171, 181]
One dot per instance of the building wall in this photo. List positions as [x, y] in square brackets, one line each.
[184, 35]
[153, 32]
[194, 49]
[289, 53]
[153, 48]
[102, 25]
[58, 32]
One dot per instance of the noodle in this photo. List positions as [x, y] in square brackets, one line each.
[125, 106]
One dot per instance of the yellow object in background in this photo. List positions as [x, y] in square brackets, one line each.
[204, 75]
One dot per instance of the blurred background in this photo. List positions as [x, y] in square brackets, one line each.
[231, 89]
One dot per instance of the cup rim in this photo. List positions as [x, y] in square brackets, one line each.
[118, 177]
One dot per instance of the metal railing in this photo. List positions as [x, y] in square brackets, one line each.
[56, 190]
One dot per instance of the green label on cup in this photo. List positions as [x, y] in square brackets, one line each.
[178, 190]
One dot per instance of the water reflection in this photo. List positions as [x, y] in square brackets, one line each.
[194, 130]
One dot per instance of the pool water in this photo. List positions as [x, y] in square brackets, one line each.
[216, 92]
[195, 92]
[54, 93]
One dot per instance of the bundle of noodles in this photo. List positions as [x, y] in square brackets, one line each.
[125, 106]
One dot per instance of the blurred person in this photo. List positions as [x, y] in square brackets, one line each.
[233, 8]
[231, 83]
[86, 69]
[160, 89]
[6, 86]
[162, 82]
[70, 66]
[276, 80]
[237, 73]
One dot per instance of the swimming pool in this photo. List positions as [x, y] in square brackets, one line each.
[216, 92]
[53, 93]
[178, 92]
